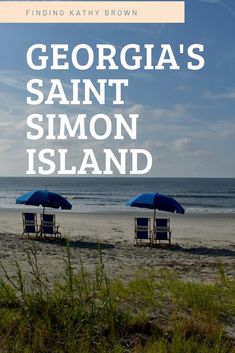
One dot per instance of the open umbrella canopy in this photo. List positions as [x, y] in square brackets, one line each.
[156, 201]
[44, 198]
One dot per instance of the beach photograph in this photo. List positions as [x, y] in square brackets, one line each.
[117, 185]
[99, 243]
[202, 237]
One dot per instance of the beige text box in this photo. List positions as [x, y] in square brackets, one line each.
[92, 12]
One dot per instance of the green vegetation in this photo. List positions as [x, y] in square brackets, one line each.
[153, 313]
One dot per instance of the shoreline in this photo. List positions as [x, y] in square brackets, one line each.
[130, 211]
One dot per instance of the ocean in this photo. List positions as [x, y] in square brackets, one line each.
[197, 195]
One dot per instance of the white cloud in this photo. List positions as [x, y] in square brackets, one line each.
[13, 79]
[186, 145]
[181, 144]
[229, 94]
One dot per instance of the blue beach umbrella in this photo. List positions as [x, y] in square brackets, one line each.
[44, 198]
[156, 202]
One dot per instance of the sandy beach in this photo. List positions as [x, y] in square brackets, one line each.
[199, 243]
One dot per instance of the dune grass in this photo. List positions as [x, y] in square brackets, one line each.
[152, 313]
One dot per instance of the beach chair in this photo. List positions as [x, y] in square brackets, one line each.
[30, 225]
[161, 232]
[142, 231]
[48, 226]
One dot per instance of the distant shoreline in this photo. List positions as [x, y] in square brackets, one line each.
[105, 195]
[130, 212]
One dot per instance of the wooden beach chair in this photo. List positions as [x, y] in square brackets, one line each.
[48, 226]
[30, 225]
[161, 232]
[142, 231]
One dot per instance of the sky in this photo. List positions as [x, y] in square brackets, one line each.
[186, 118]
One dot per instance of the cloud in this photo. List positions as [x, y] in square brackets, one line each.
[146, 76]
[5, 125]
[5, 146]
[13, 79]
[185, 145]
[224, 129]
[181, 144]
[171, 132]
[173, 115]
[230, 94]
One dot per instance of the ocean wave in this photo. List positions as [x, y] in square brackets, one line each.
[81, 198]
[203, 196]
[102, 194]
[202, 210]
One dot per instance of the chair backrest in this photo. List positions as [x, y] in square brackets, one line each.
[142, 229]
[30, 222]
[162, 228]
[47, 223]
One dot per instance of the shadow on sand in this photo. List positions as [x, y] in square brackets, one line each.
[77, 244]
[202, 250]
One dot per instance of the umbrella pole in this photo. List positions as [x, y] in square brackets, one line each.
[153, 230]
[154, 217]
